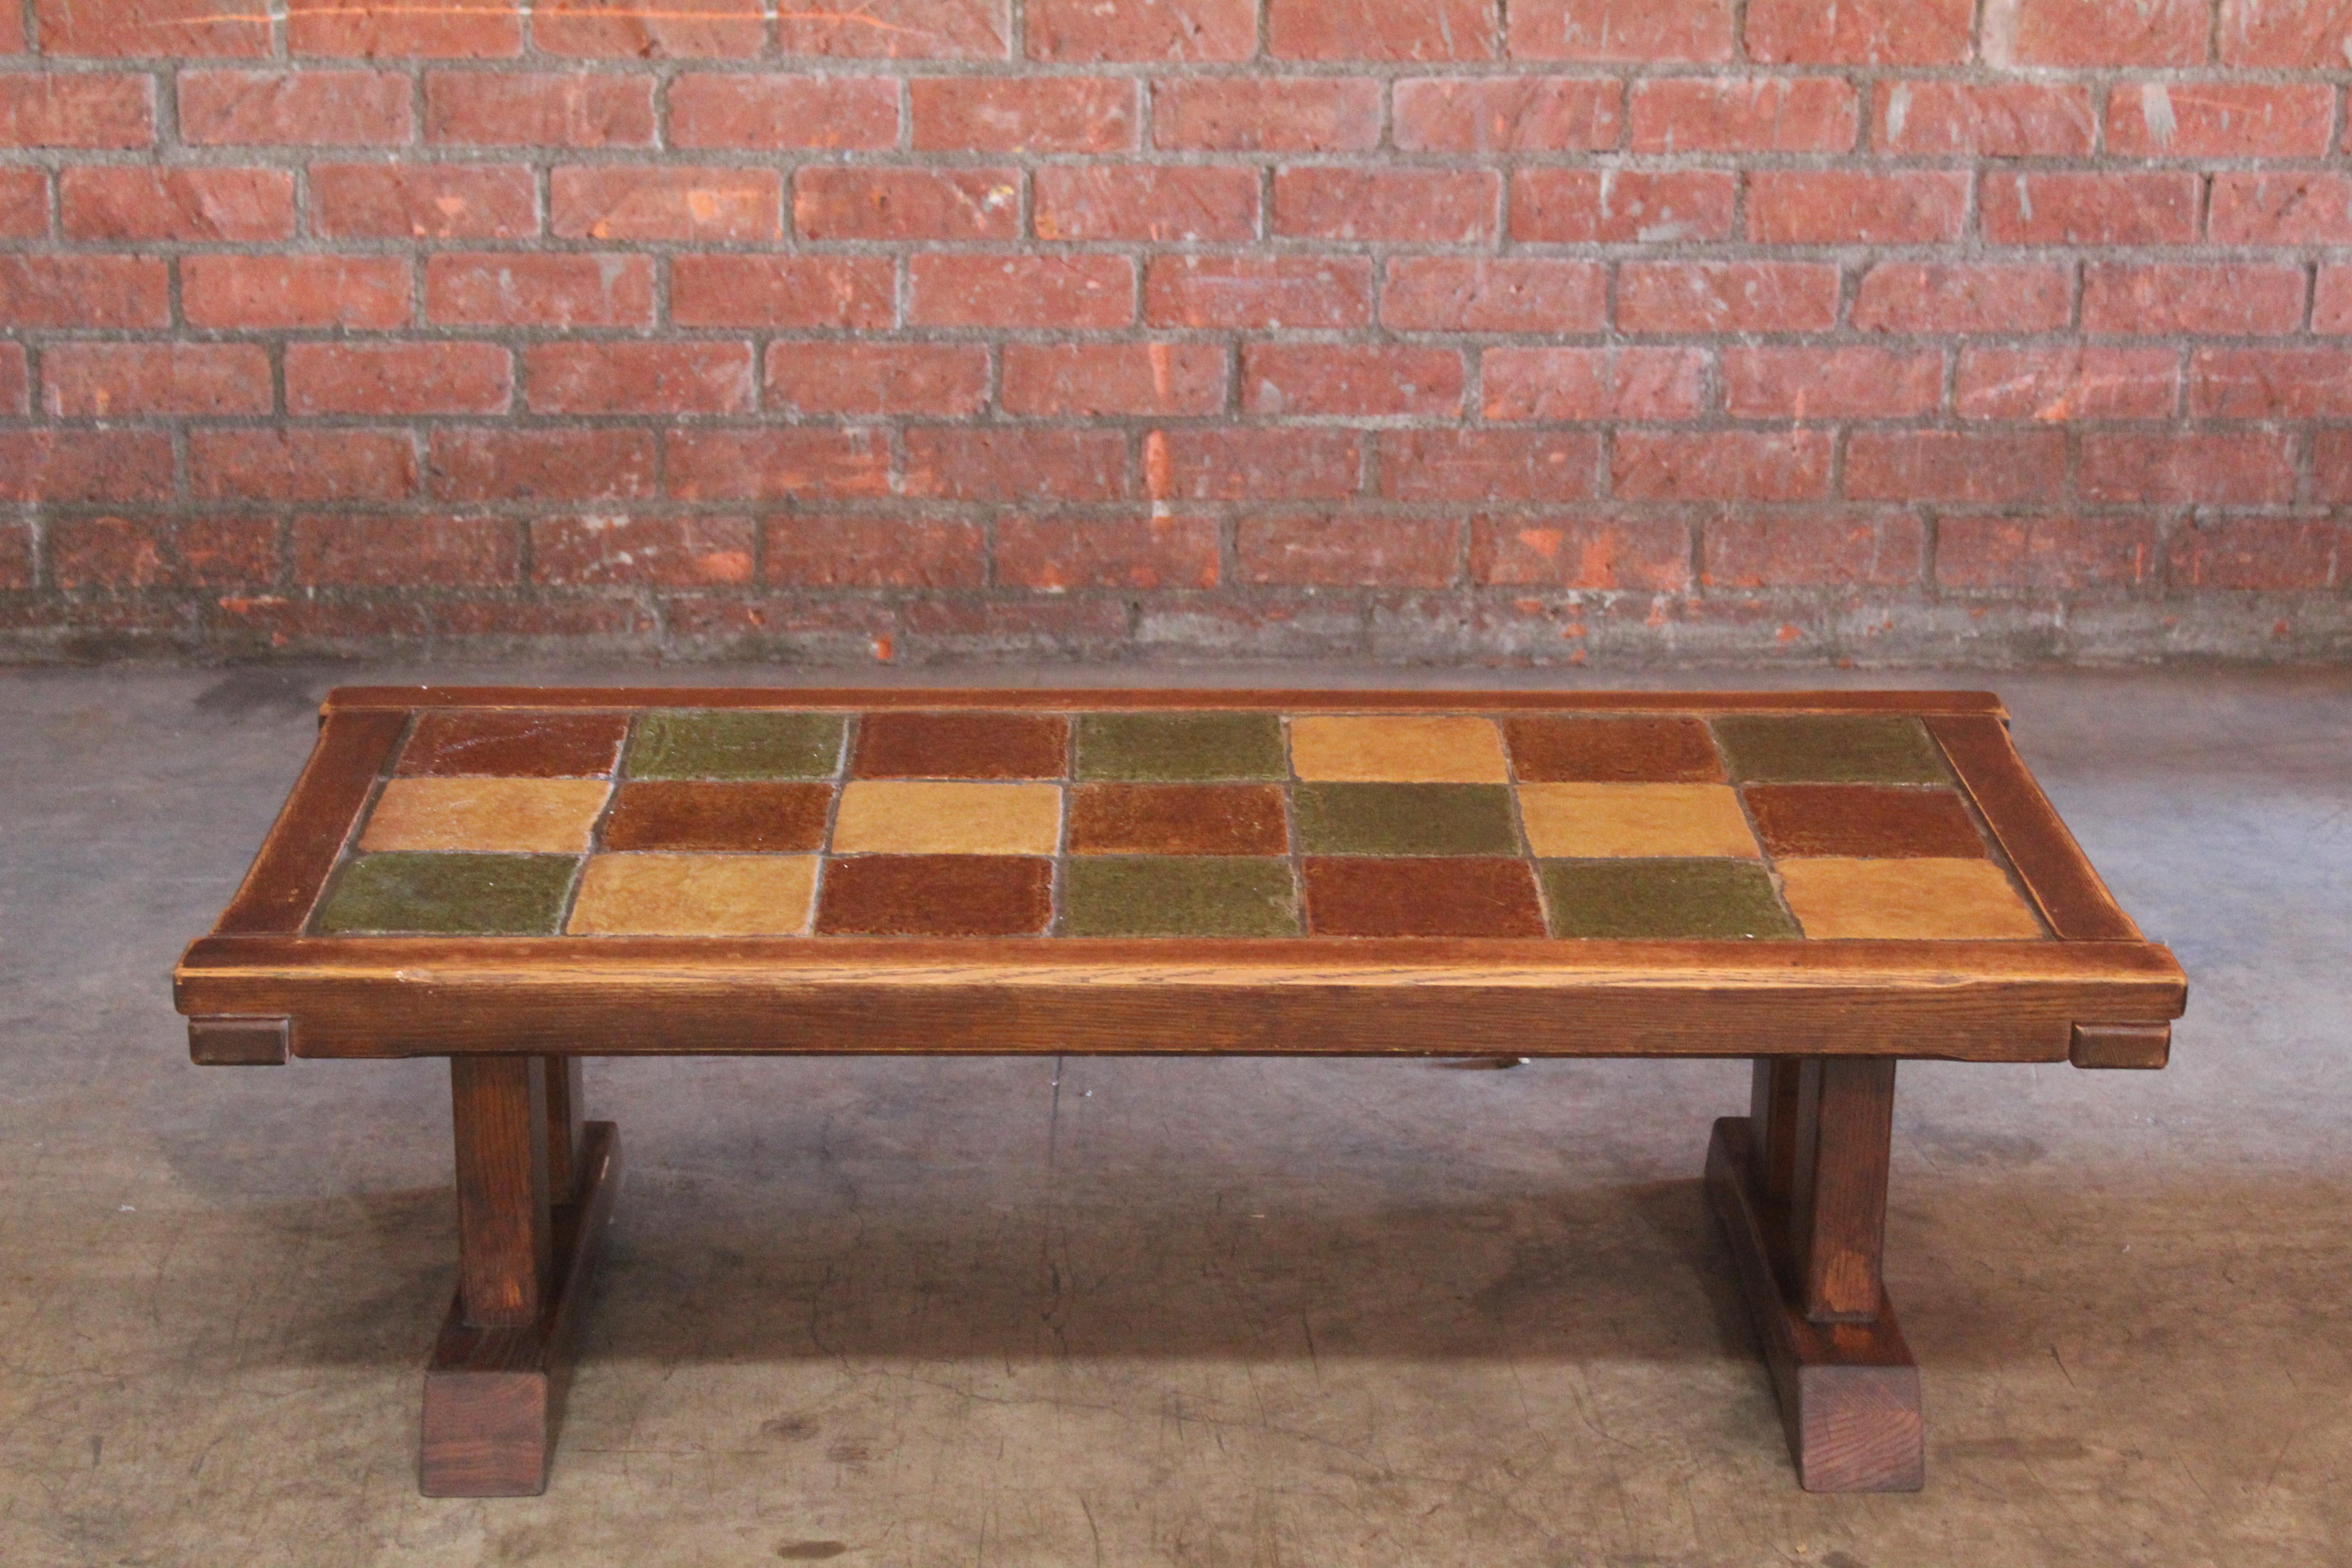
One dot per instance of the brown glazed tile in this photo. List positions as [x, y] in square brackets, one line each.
[1595, 821]
[961, 746]
[1178, 819]
[1449, 896]
[935, 895]
[528, 745]
[1919, 899]
[947, 816]
[743, 816]
[1556, 749]
[1397, 748]
[694, 895]
[1863, 822]
[492, 815]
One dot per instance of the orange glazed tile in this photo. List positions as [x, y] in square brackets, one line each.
[531, 744]
[1451, 895]
[894, 816]
[1924, 899]
[695, 895]
[744, 815]
[961, 746]
[936, 895]
[1604, 821]
[1862, 822]
[1557, 748]
[1397, 748]
[1178, 819]
[506, 815]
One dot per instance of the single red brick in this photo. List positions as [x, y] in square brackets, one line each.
[639, 378]
[301, 464]
[1638, 30]
[2224, 300]
[1382, 30]
[1266, 114]
[249, 292]
[856, 113]
[1577, 207]
[295, 107]
[507, 620]
[1086, 31]
[1508, 114]
[1720, 465]
[1351, 380]
[836, 291]
[671, 551]
[308, 622]
[1938, 297]
[2261, 554]
[84, 293]
[16, 561]
[496, 463]
[877, 378]
[2202, 468]
[2270, 384]
[1088, 380]
[651, 29]
[1015, 463]
[489, 109]
[356, 552]
[183, 29]
[1032, 628]
[875, 553]
[1054, 554]
[1994, 119]
[239, 206]
[1070, 292]
[2090, 209]
[2304, 208]
[1505, 294]
[1841, 548]
[81, 109]
[1247, 463]
[2067, 554]
[423, 201]
[791, 625]
[1144, 200]
[2331, 465]
[12, 34]
[701, 206]
[2096, 32]
[397, 378]
[1727, 296]
[1489, 465]
[774, 464]
[89, 466]
[900, 29]
[1805, 383]
[505, 287]
[1977, 466]
[1590, 551]
[1860, 32]
[16, 380]
[864, 203]
[1548, 383]
[384, 29]
[116, 554]
[2219, 120]
[1415, 207]
[1302, 292]
[24, 204]
[2331, 300]
[1346, 550]
[2308, 34]
[101, 381]
[2066, 383]
[1914, 207]
[1022, 114]
[1744, 114]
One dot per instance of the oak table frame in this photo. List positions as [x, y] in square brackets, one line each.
[1799, 1183]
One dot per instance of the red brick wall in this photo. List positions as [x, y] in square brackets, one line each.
[1390, 329]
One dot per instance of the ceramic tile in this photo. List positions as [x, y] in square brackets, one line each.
[935, 895]
[694, 895]
[961, 746]
[500, 815]
[740, 815]
[719, 744]
[1557, 748]
[1397, 748]
[1863, 822]
[1452, 896]
[1181, 747]
[1930, 900]
[540, 743]
[1178, 819]
[467, 895]
[1177, 895]
[1830, 748]
[894, 817]
[1405, 819]
[1594, 821]
[1662, 898]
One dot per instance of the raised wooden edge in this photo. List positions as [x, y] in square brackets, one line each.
[239, 1042]
[2054, 870]
[2142, 1046]
[1849, 1392]
[494, 1397]
[308, 837]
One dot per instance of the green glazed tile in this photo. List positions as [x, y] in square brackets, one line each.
[688, 744]
[1177, 895]
[1405, 819]
[1829, 748]
[1177, 747]
[479, 895]
[1665, 898]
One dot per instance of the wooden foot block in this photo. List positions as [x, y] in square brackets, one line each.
[494, 1397]
[1849, 1392]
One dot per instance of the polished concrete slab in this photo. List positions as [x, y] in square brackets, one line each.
[1095, 1311]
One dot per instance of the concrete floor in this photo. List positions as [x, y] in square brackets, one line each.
[1199, 1313]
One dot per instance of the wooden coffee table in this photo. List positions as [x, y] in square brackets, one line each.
[1822, 881]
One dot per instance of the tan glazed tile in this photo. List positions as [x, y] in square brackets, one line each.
[1606, 821]
[887, 817]
[1919, 899]
[695, 895]
[506, 815]
[1397, 748]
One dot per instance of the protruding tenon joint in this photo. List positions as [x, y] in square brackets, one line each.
[239, 1042]
[2121, 1044]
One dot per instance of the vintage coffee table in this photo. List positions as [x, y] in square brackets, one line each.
[1823, 881]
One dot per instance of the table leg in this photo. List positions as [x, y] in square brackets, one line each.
[1800, 1185]
[535, 1188]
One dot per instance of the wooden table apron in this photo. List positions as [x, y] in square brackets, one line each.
[1799, 1182]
